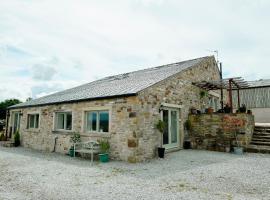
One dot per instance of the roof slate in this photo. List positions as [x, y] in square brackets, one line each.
[259, 83]
[122, 84]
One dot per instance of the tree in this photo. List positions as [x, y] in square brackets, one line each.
[29, 99]
[5, 104]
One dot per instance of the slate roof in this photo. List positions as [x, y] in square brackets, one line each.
[120, 85]
[259, 83]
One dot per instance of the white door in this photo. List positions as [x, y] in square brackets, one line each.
[171, 133]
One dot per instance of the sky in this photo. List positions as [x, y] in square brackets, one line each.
[48, 46]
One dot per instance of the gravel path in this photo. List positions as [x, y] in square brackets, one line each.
[187, 174]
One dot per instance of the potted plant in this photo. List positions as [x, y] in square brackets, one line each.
[3, 137]
[243, 108]
[160, 125]
[104, 148]
[227, 108]
[188, 125]
[203, 94]
[17, 140]
[210, 110]
[75, 138]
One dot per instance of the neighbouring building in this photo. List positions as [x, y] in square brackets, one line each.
[123, 109]
[257, 98]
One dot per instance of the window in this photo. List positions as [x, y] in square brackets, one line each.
[63, 121]
[213, 102]
[97, 121]
[33, 121]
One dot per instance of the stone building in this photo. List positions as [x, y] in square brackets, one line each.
[123, 109]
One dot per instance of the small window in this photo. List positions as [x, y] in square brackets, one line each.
[97, 121]
[63, 121]
[33, 121]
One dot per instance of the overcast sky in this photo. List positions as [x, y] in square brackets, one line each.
[48, 46]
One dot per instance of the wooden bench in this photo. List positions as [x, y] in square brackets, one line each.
[90, 147]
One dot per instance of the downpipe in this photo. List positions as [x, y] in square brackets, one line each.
[55, 140]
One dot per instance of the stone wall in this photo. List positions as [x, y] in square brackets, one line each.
[217, 131]
[123, 123]
[131, 134]
[177, 90]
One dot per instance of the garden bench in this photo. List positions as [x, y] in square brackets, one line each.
[90, 147]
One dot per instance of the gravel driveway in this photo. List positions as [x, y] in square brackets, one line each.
[187, 174]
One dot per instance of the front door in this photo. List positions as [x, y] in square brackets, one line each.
[171, 133]
[16, 122]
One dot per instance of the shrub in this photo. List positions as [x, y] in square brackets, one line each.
[104, 146]
[188, 125]
[3, 137]
[75, 138]
[17, 141]
[203, 94]
[160, 125]
[243, 108]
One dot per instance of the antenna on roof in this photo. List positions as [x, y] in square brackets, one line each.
[216, 52]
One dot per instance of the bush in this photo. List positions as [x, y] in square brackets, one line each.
[243, 108]
[188, 125]
[3, 137]
[75, 138]
[104, 146]
[160, 125]
[17, 141]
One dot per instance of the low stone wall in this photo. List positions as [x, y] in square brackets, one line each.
[218, 131]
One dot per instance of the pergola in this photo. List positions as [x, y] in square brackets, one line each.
[230, 84]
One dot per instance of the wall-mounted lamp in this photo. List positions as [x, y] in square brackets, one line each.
[161, 108]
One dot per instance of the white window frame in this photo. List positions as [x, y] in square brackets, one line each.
[97, 121]
[65, 120]
[35, 116]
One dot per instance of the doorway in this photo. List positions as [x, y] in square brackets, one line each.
[170, 117]
[16, 122]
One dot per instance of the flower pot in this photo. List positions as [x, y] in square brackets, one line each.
[71, 152]
[104, 157]
[238, 150]
[210, 110]
[161, 152]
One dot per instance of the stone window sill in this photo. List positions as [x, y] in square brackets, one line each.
[96, 134]
[64, 132]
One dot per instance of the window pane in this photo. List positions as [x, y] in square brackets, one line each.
[103, 121]
[37, 121]
[174, 122]
[68, 121]
[60, 121]
[31, 121]
[93, 121]
[166, 129]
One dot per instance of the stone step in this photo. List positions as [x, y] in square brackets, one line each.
[262, 130]
[260, 140]
[258, 149]
[7, 144]
[260, 143]
[261, 137]
[262, 134]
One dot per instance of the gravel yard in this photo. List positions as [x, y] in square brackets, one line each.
[187, 174]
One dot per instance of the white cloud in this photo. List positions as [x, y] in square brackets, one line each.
[69, 42]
